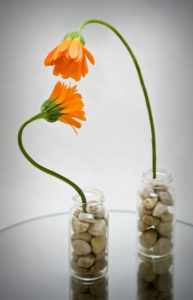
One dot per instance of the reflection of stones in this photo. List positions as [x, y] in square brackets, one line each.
[89, 241]
[162, 266]
[97, 290]
[155, 279]
[155, 220]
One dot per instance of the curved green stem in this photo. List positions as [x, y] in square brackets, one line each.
[48, 171]
[141, 82]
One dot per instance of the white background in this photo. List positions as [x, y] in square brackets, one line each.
[113, 147]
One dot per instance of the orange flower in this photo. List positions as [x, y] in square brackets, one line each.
[65, 105]
[69, 57]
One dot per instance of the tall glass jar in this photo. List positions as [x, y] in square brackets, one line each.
[89, 236]
[155, 215]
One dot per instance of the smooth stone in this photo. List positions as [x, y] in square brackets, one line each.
[100, 212]
[166, 198]
[85, 236]
[98, 244]
[150, 220]
[77, 212]
[81, 247]
[146, 273]
[164, 228]
[159, 209]
[86, 261]
[75, 256]
[86, 217]
[162, 246]
[79, 270]
[92, 206]
[150, 203]
[166, 217]
[100, 254]
[162, 266]
[143, 211]
[164, 282]
[98, 228]
[79, 226]
[145, 192]
[159, 188]
[98, 266]
[148, 238]
[141, 226]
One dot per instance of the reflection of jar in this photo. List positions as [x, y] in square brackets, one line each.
[155, 278]
[89, 236]
[95, 290]
[156, 211]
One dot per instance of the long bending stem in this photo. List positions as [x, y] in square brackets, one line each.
[48, 171]
[141, 82]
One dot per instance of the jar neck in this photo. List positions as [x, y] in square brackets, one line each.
[162, 177]
[91, 194]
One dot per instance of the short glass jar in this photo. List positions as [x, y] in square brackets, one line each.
[155, 215]
[89, 236]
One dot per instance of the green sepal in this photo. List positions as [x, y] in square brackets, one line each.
[51, 111]
[75, 35]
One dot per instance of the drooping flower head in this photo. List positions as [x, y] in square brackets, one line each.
[65, 105]
[69, 57]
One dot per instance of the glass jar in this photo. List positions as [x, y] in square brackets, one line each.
[89, 236]
[155, 215]
[155, 278]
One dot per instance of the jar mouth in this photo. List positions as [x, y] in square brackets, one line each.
[162, 175]
[90, 194]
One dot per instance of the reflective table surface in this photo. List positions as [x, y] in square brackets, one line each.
[34, 263]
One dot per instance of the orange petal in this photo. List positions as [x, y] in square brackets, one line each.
[56, 91]
[84, 67]
[72, 122]
[79, 115]
[89, 55]
[64, 45]
[73, 49]
[48, 59]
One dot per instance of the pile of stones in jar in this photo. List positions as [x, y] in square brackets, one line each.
[155, 219]
[155, 280]
[89, 240]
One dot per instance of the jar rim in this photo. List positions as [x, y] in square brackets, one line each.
[162, 175]
[99, 194]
